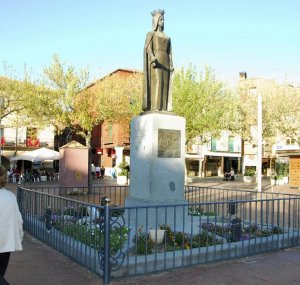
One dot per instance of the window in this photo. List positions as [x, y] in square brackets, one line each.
[290, 142]
[231, 144]
[213, 144]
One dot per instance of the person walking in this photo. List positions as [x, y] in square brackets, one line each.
[11, 223]
[231, 174]
[102, 171]
[97, 168]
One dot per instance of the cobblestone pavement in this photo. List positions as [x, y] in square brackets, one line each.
[38, 264]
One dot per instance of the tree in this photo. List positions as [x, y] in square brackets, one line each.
[65, 83]
[280, 113]
[12, 97]
[204, 102]
[286, 113]
[81, 107]
[115, 98]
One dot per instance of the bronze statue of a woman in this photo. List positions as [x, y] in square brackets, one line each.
[158, 67]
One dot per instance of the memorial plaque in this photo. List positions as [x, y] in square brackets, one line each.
[169, 143]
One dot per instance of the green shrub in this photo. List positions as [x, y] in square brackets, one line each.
[249, 172]
[124, 169]
[143, 243]
[94, 236]
[123, 172]
[282, 169]
[197, 211]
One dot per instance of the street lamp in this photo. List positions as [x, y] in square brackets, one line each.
[259, 137]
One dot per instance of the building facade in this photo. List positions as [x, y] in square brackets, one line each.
[110, 142]
[17, 140]
[215, 157]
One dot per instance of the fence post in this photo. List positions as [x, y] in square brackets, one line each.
[106, 271]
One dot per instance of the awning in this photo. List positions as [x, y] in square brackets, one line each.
[40, 154]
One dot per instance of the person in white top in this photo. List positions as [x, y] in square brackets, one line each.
[97, 168]
[231, 174]
[11, 223]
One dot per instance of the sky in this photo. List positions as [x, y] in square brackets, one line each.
[260, 37]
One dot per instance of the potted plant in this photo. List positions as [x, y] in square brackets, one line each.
[282, 169]
[280, 180]
[249, 174]
[157, 235]
[122, 173]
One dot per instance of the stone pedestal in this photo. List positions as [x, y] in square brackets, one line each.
[157, 159]
[157, 167]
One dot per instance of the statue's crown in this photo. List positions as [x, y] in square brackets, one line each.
[162, 12]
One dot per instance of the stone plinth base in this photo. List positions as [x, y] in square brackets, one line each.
[157, 159]
[155, 213]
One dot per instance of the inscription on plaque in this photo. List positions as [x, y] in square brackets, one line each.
[169, 143]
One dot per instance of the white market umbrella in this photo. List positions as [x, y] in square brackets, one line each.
[40, 154]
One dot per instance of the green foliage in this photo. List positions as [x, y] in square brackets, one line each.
[204, 102]
[124, 168]
[249, 172]
[143, 243]
[282, 169]
[16, 98]
[123, 172]
[93, 235]
[279, 110]
[180, 240]
[228, 231]
[197, 211]
[204, 239]
[66, 84]
[117, 98]
[265, 232]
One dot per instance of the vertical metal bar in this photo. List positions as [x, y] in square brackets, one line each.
[147, 238]
[272, 223]
[289, 220]
[106, 273]
[155, 242]
[250, 223]
[283, 218]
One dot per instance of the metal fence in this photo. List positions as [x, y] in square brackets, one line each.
[115, 241]
[118, 194]
[92, 195]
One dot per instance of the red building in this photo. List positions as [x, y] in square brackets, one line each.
[107, 136]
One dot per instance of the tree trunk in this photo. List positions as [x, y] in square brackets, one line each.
[88, 144]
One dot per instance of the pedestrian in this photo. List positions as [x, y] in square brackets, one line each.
[102, 171]
[11, 223]
[231, 174]
[8, 175]
[97, 168]
[93, 170]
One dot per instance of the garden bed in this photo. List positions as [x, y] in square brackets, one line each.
[177, 250]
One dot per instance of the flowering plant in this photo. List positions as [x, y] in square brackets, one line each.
[143, 243]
